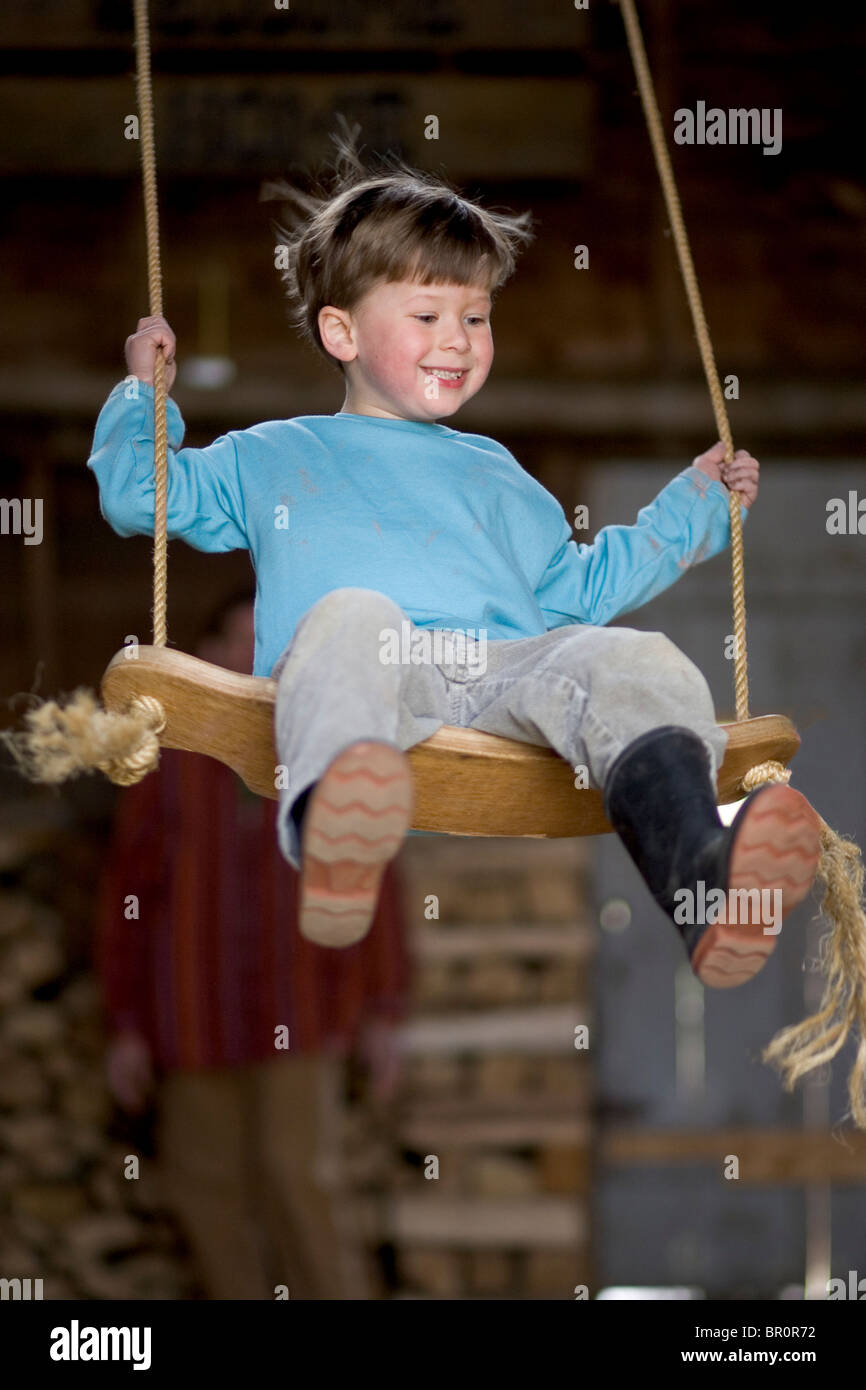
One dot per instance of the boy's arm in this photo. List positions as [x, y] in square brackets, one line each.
[205, 503]
[626, 566]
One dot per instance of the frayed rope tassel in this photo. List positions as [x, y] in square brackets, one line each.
[63, 741]
[801, 1048]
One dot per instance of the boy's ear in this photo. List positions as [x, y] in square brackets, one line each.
[335, 330]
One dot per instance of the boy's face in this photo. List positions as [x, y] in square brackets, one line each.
[396, 339]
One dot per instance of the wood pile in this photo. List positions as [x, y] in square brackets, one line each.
[489, 1194]
[72, 1218]
[494, 1089]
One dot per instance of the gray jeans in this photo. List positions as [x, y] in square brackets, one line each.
[586, 691]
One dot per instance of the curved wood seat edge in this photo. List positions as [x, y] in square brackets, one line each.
[466, 782]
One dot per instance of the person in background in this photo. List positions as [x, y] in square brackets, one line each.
[206, 978]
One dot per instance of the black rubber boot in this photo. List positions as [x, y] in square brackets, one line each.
[660, 798]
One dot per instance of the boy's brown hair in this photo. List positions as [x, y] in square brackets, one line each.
[379, 225]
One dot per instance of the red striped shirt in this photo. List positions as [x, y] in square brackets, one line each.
[214, 963]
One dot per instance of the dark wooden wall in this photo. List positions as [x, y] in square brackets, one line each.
[537, 109]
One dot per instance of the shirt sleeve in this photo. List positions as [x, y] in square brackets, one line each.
[205, 501]
[626, 566]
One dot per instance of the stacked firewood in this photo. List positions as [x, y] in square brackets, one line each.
[492, 1196]
[479, 1179]
[76, 1215]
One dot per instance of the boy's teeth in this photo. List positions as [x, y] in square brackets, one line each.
[448, 376]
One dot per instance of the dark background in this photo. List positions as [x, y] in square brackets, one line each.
[596, 388]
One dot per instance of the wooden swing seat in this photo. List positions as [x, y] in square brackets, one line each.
[466, 782]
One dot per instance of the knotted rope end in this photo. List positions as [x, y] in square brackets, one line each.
[63, 741]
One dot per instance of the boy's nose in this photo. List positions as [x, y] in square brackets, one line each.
[456, 346]
[458, 339]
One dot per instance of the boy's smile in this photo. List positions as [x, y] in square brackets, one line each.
[411, 351]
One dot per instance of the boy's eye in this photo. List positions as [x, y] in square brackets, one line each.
[474, 318]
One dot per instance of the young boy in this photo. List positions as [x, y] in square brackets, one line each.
[397, 520]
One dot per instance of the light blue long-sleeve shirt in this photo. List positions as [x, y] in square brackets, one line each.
[447, 524]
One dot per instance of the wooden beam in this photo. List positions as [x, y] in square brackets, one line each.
[541, 1110]
[553, 1223]
[515, 1129]
[218, 126]
[494, 859]
[300, 26]
[541, 1028]
[533, 940]
[618, 409]
[766, 1156]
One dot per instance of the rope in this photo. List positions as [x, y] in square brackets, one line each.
[801, 1048]
[702, 332]
[154, 281]
[64, 741]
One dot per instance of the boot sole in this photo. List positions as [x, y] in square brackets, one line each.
[777, 845]
[355, 822]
